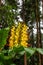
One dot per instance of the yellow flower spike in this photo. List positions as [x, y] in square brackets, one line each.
[17, 34]
[24, 36]
[11, 39]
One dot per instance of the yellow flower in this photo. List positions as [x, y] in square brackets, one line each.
[24, 44]
[11, 39]
[18, 36]
[24, 36]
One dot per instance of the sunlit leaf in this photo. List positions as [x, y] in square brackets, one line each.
[30, 51]
[40, 50]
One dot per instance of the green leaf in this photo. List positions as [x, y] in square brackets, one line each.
[18, 49]
[3, 36]
[22, 52]
[13, 64]
[30, 51]
[1, 63]
[40, 50]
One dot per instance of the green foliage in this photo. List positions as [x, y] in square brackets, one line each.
[19, 51]
[40, 50]
[3, 36]
[7, 56]
[12, 3]
[6, 16]
[8, 13]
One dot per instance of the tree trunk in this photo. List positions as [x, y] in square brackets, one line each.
[23, 8]
[42, 10]
[0, 2]
[38, 31]
[42, 23]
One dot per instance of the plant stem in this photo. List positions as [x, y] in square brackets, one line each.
[25, 59]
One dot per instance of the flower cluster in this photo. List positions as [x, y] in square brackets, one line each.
[18, 36]
[11, 39]
[17, 32]
[24, 36]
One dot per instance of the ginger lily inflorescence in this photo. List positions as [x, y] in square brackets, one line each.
[18, 36]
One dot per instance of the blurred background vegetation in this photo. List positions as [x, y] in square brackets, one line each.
[30, 12]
